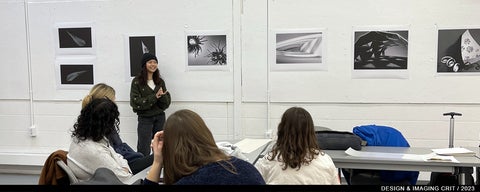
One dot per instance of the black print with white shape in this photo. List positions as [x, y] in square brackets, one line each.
[138, 46]
[458, 50]
[76, 74]
[380, 50]
[75, 37]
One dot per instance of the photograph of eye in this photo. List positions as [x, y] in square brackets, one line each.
[195, 43]
[294, 48]
[75, 37]
[207, 50]
[458, 50]
[380, 50]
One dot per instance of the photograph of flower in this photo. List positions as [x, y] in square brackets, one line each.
[206, 51]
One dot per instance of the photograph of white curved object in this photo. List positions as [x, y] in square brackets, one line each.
[299, 48]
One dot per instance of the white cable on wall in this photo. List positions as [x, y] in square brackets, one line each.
[32, 128]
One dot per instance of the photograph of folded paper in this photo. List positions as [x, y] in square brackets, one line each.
[298, 50]
[458, 50]
[385, 50]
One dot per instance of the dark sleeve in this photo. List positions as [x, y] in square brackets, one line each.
[148, 182]
[138, 101]
[164, 101]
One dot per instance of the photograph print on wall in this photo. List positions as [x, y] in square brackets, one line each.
[298, 49]
[74, 39]
[458, 51]
[137, 46]
[206, 51]
[76, 74]
[380, 50]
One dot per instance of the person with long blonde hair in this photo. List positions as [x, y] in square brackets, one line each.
[189, 155]
[296, 158]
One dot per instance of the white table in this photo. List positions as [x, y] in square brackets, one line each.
[343, 160]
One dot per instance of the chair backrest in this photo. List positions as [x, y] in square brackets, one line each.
[73, 179]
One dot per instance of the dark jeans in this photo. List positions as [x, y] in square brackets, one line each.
[147, 127]
[140, 164]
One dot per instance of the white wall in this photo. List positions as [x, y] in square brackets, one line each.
[248, 99]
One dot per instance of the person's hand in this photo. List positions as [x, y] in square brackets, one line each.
[157, 146]
[160, 93]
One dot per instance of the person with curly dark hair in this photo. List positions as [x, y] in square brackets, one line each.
[137, 161]
[90, 148]
[296, 158]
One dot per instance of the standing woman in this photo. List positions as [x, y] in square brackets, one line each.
[149, 98]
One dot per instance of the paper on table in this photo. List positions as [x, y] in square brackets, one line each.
[456, 151]
[250, 145]
[440, 158]
[356, 153]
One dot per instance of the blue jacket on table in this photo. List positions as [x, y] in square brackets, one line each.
[377, 135]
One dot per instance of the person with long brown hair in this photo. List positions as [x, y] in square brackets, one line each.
[296, 158]
[189, 155]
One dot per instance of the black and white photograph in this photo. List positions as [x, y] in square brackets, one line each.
[206, 51]
[458, 51]
[74, 39]
[137, 46]
[76, 74]
[384, 50]
[292, 48]
[298, 49]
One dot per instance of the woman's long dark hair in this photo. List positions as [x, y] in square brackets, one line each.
[97, 119]
[296, 144]
[143, 77]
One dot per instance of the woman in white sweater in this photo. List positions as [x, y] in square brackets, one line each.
[296, 158]
[90, 149]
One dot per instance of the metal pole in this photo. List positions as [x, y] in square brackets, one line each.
[450, 138]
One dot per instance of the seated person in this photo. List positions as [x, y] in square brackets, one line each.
[296, 158]
[136, 161]
[189, 156]
[90, 149]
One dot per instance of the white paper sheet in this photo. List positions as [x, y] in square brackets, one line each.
[415, 157]
[250, 145]
[457, 151]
